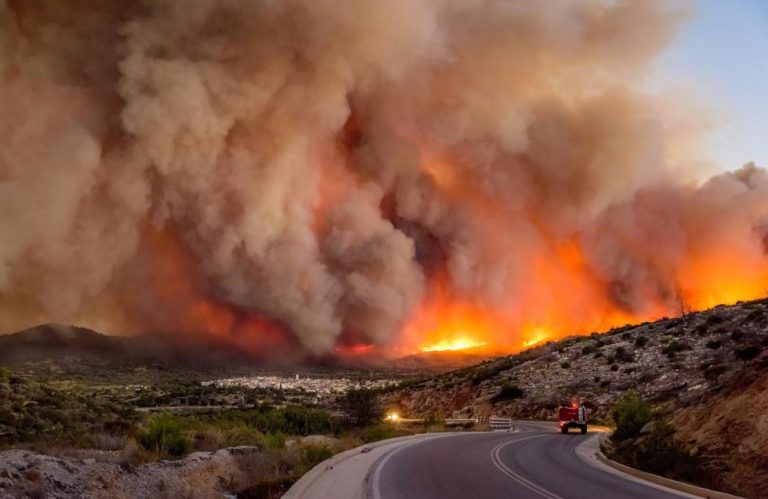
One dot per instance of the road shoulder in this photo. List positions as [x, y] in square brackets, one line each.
[590, 453]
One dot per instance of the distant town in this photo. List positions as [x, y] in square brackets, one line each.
[323, 386]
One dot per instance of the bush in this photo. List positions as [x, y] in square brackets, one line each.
[565, 365]
[588, 349]
[630, 414]
[166, 436]
[274, 441]
[674, 347]
[623, 355]
[311, 455]
[714, 319]
[296, 420]
[641, 341]
[379, 432]
[748, 353]
[714, 344]
[662, 454]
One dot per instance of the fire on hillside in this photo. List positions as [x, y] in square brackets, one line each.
[360, 179]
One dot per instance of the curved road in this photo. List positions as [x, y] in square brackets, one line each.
[536, 462]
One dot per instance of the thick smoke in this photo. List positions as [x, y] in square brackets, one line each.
[322, 166]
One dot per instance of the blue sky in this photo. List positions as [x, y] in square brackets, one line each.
[724, 50]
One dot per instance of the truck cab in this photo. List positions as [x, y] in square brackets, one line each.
[572, 416]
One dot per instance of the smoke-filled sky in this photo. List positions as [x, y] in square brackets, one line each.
[312, 177]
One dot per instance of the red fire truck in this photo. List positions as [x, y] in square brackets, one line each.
[573, 416]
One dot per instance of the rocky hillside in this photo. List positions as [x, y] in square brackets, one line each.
[199, 475]
[707, 372]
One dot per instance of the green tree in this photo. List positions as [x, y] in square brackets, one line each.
[362, 406]
[630, 414]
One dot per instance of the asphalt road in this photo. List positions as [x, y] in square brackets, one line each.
[536, 462]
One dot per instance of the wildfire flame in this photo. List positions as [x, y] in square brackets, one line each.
[452, 345]
[360, 179]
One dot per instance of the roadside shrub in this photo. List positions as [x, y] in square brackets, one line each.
[164, 434]
[314, 454]
[630, 414]
[379, 432]
[661, 453]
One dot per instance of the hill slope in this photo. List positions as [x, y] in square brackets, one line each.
[83, 347]
[708, 372]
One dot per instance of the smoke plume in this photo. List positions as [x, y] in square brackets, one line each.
[325, 174]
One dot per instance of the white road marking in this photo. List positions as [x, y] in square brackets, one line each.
[496, 459]
[376, 479]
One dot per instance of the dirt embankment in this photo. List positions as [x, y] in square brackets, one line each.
[731, 434]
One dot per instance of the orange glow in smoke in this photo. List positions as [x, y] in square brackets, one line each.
[560, 293]
[180, 303]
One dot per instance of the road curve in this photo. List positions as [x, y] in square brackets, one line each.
[535, 462]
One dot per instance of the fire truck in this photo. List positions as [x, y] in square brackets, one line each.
[572, 416]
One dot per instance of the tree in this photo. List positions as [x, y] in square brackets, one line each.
[362, 406]
[630, 414]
